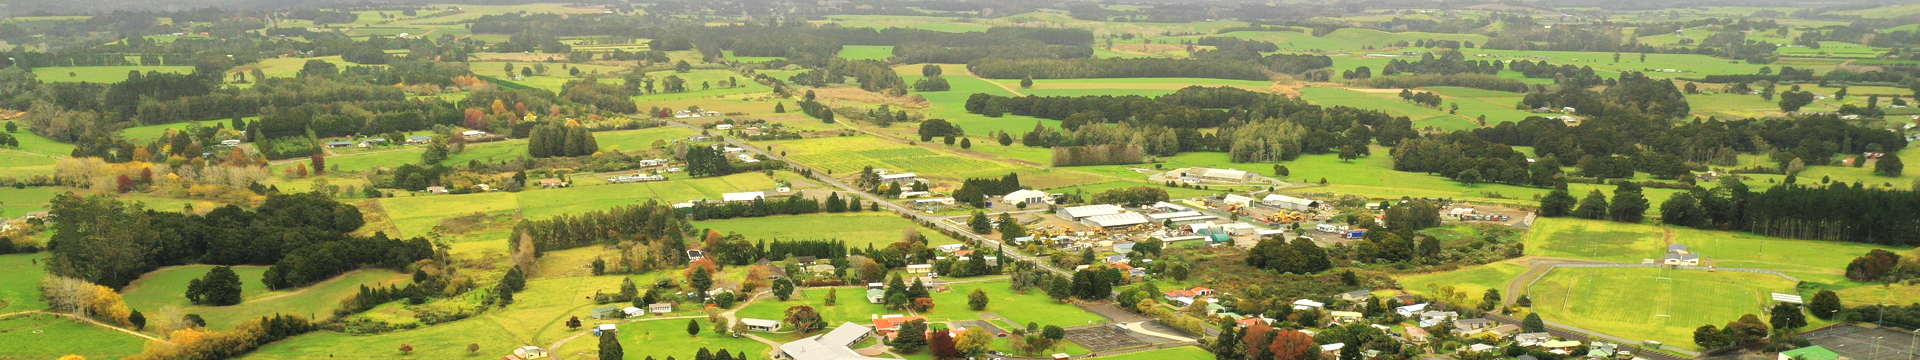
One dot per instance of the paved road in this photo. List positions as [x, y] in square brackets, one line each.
[823, 177]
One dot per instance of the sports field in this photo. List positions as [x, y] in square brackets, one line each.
[857, 229]
[1595, 239]
[1651, 303]
[1179, 353]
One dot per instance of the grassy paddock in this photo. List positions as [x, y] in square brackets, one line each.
[1594, 239]
[42, 336]
[20, 289]
[857, 229]
[1472, 281]
[310, 301]
[1034, 306]
[100, 74]
[168, 286]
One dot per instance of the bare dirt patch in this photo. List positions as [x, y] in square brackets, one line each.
[851, 94]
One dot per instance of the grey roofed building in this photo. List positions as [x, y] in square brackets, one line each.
[1119, 220]
[1356, 295]
[1081, 212]
[832, 346]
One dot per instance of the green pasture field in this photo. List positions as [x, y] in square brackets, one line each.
[1179, 353]
[555, 77]
[1034, 306]
[951, 105]
[1732, 106]
[1651, 303]
[1821, 261]
[484, 152]
[1883, 12]
[857, 229]
[287, 66]
[1882, 294]
[1595, 239]
[1473, 281]
[415, 215]
[44, 336]
[1104, 53]
[19, 202]
[168, 286]
[22, 165]
[850, 304]
[749, 59]
[1149, 87]
[866, 52]
[1355, 39]
[642, 139]
[100, 74]
[694, 79]
[312, 301]
[33, 143]
[306, 184]
[1863, 174]
[141, 134]
[847, 155]
[660, 339]
[1060, 19]
[442, 341]
[1096, 188]
[934, 23]
[1390, 103]
[1834, 49]
[20, 289]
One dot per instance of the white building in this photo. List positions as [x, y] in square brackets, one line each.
[1029, 197]
[742, 196]
[1205, 175]
[901, 178]
[1082, 212]
[834, 345]
[1114, 221]
[1289, 202]
[1235, 199]
[760, 324]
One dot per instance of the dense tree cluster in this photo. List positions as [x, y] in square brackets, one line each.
[650, 223]
[1114, 68]
[304, 236]
[561, 140]
[1300, 256]
[975, 190]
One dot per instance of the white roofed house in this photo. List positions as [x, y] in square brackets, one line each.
[760, 324]
[901, 178]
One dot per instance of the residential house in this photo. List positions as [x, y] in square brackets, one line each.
[1308, 304]
[1472, 324]
[723, 127]
[339, 144]
[889, 325]
[1431, 318]
[1561, 345]
[1332, 349]
[473, 134]
[1677, 248]
[1532, 339]
[530, 352]
[1481, 348]
[660, 308]
[1346, 317]
[417, 140]
[1675, 259]
[901, 178]
[1202, 291]
[1502, 331]
[760, 324]
[436, 189]
[230, 142]
[633, 311]
[820, 268]
[1181, 297]
[1356, 295]
[1410, 310]
[834, 345]
[805, 260]
[920, 268]
[552, 183]
[696, 255]
[1601, 349]
[1116, 259]
[606, 330]
[876, 296]
[1416, 334]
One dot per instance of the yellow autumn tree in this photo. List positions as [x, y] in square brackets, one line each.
[106, 304]
[499, 107]
[142, 155]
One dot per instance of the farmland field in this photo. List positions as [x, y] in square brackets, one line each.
[100, 74]
[415, 214]
[1649, 303]
[20, 289]
[168, 286]
[951, 104]
[311, 301]
[866, 52]
[43, 336]
[22, 165]
[642, 139]
[1822, 261]
[844, 155]
[857, 229]
[1124, 86]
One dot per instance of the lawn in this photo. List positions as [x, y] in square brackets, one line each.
[1650, 303]
[30, 142]
[1595, 240]
[402, 155]
[1472, 281]
[43, 336]
[312, 301]
[857, 229]
[1035, 306]
[850, 304]
[143, 134]
[100, 74]
[168, 286]
[20, 289]
[286, 66]
[866, 52]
